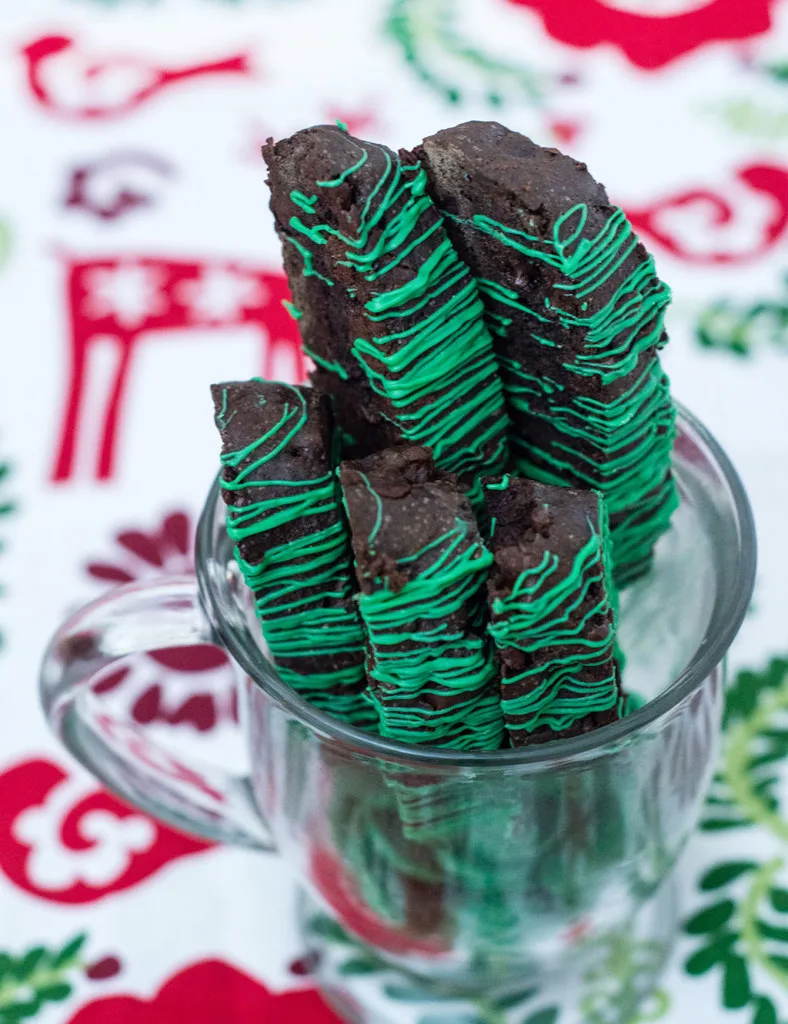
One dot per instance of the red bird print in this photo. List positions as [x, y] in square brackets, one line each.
[71, 83]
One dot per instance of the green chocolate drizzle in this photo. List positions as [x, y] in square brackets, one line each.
[552, 615]
[426, 349]
[302, 587]
[421, 655]
[619, 445]
[294, 311]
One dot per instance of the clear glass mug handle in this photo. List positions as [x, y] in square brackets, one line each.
[204, 800]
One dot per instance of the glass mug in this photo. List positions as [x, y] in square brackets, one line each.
[532, 884]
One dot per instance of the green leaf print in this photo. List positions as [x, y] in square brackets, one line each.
[765, 1012]
[69, 953]
[736, 984]
[512, 999]
[359, 965]
[779, 898]
[743, 931]
[430, 40]
[710, 956]
[724, 874]
[40, 976]
[548, 1016]
[625, 971]
[711, 919]
[745, 787]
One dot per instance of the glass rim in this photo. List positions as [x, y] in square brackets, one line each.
[710, 652]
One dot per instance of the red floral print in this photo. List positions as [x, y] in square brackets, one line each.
[70, 842]
[724, 210]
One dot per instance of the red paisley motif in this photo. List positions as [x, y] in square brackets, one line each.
[651, 41]
[210, 992]
[28, 785]
[768, 181]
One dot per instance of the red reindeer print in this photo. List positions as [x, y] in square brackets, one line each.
[66, 841]
[114, 185]
[126, 298]
[209, 992]
[725, 217]
[71, 82]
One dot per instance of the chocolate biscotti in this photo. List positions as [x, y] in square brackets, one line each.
[421, 567]
[551, 609]
[406, 318]
[284, 514]
[576, 310]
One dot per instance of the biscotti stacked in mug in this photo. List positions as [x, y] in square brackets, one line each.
[435, 532]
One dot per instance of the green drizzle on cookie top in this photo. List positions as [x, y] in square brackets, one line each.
[559, 616]
[619, 442]
[621, 447]
[302, 585]
[432, 678]
[426, 349]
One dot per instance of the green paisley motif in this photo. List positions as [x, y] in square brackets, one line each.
[427, 33]
[744, 329]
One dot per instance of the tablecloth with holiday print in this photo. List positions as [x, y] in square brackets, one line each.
[138, 263]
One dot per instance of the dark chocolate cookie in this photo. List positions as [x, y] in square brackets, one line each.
[576, 309]
[551, 609]
[389, 312]
[284, 513]
[421, 566]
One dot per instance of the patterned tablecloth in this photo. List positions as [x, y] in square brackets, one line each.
[138, 263]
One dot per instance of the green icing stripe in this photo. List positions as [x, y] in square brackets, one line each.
[548, 616]
[302, 588]
[629, 322]
[620, 446]
[419, 648]
[327, 364]
[438, 373]
[294, 311]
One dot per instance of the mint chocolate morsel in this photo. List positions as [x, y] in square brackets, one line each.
[395, 321]
[421, 567]
[576, 309]
[284, 514]
[551, 612]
